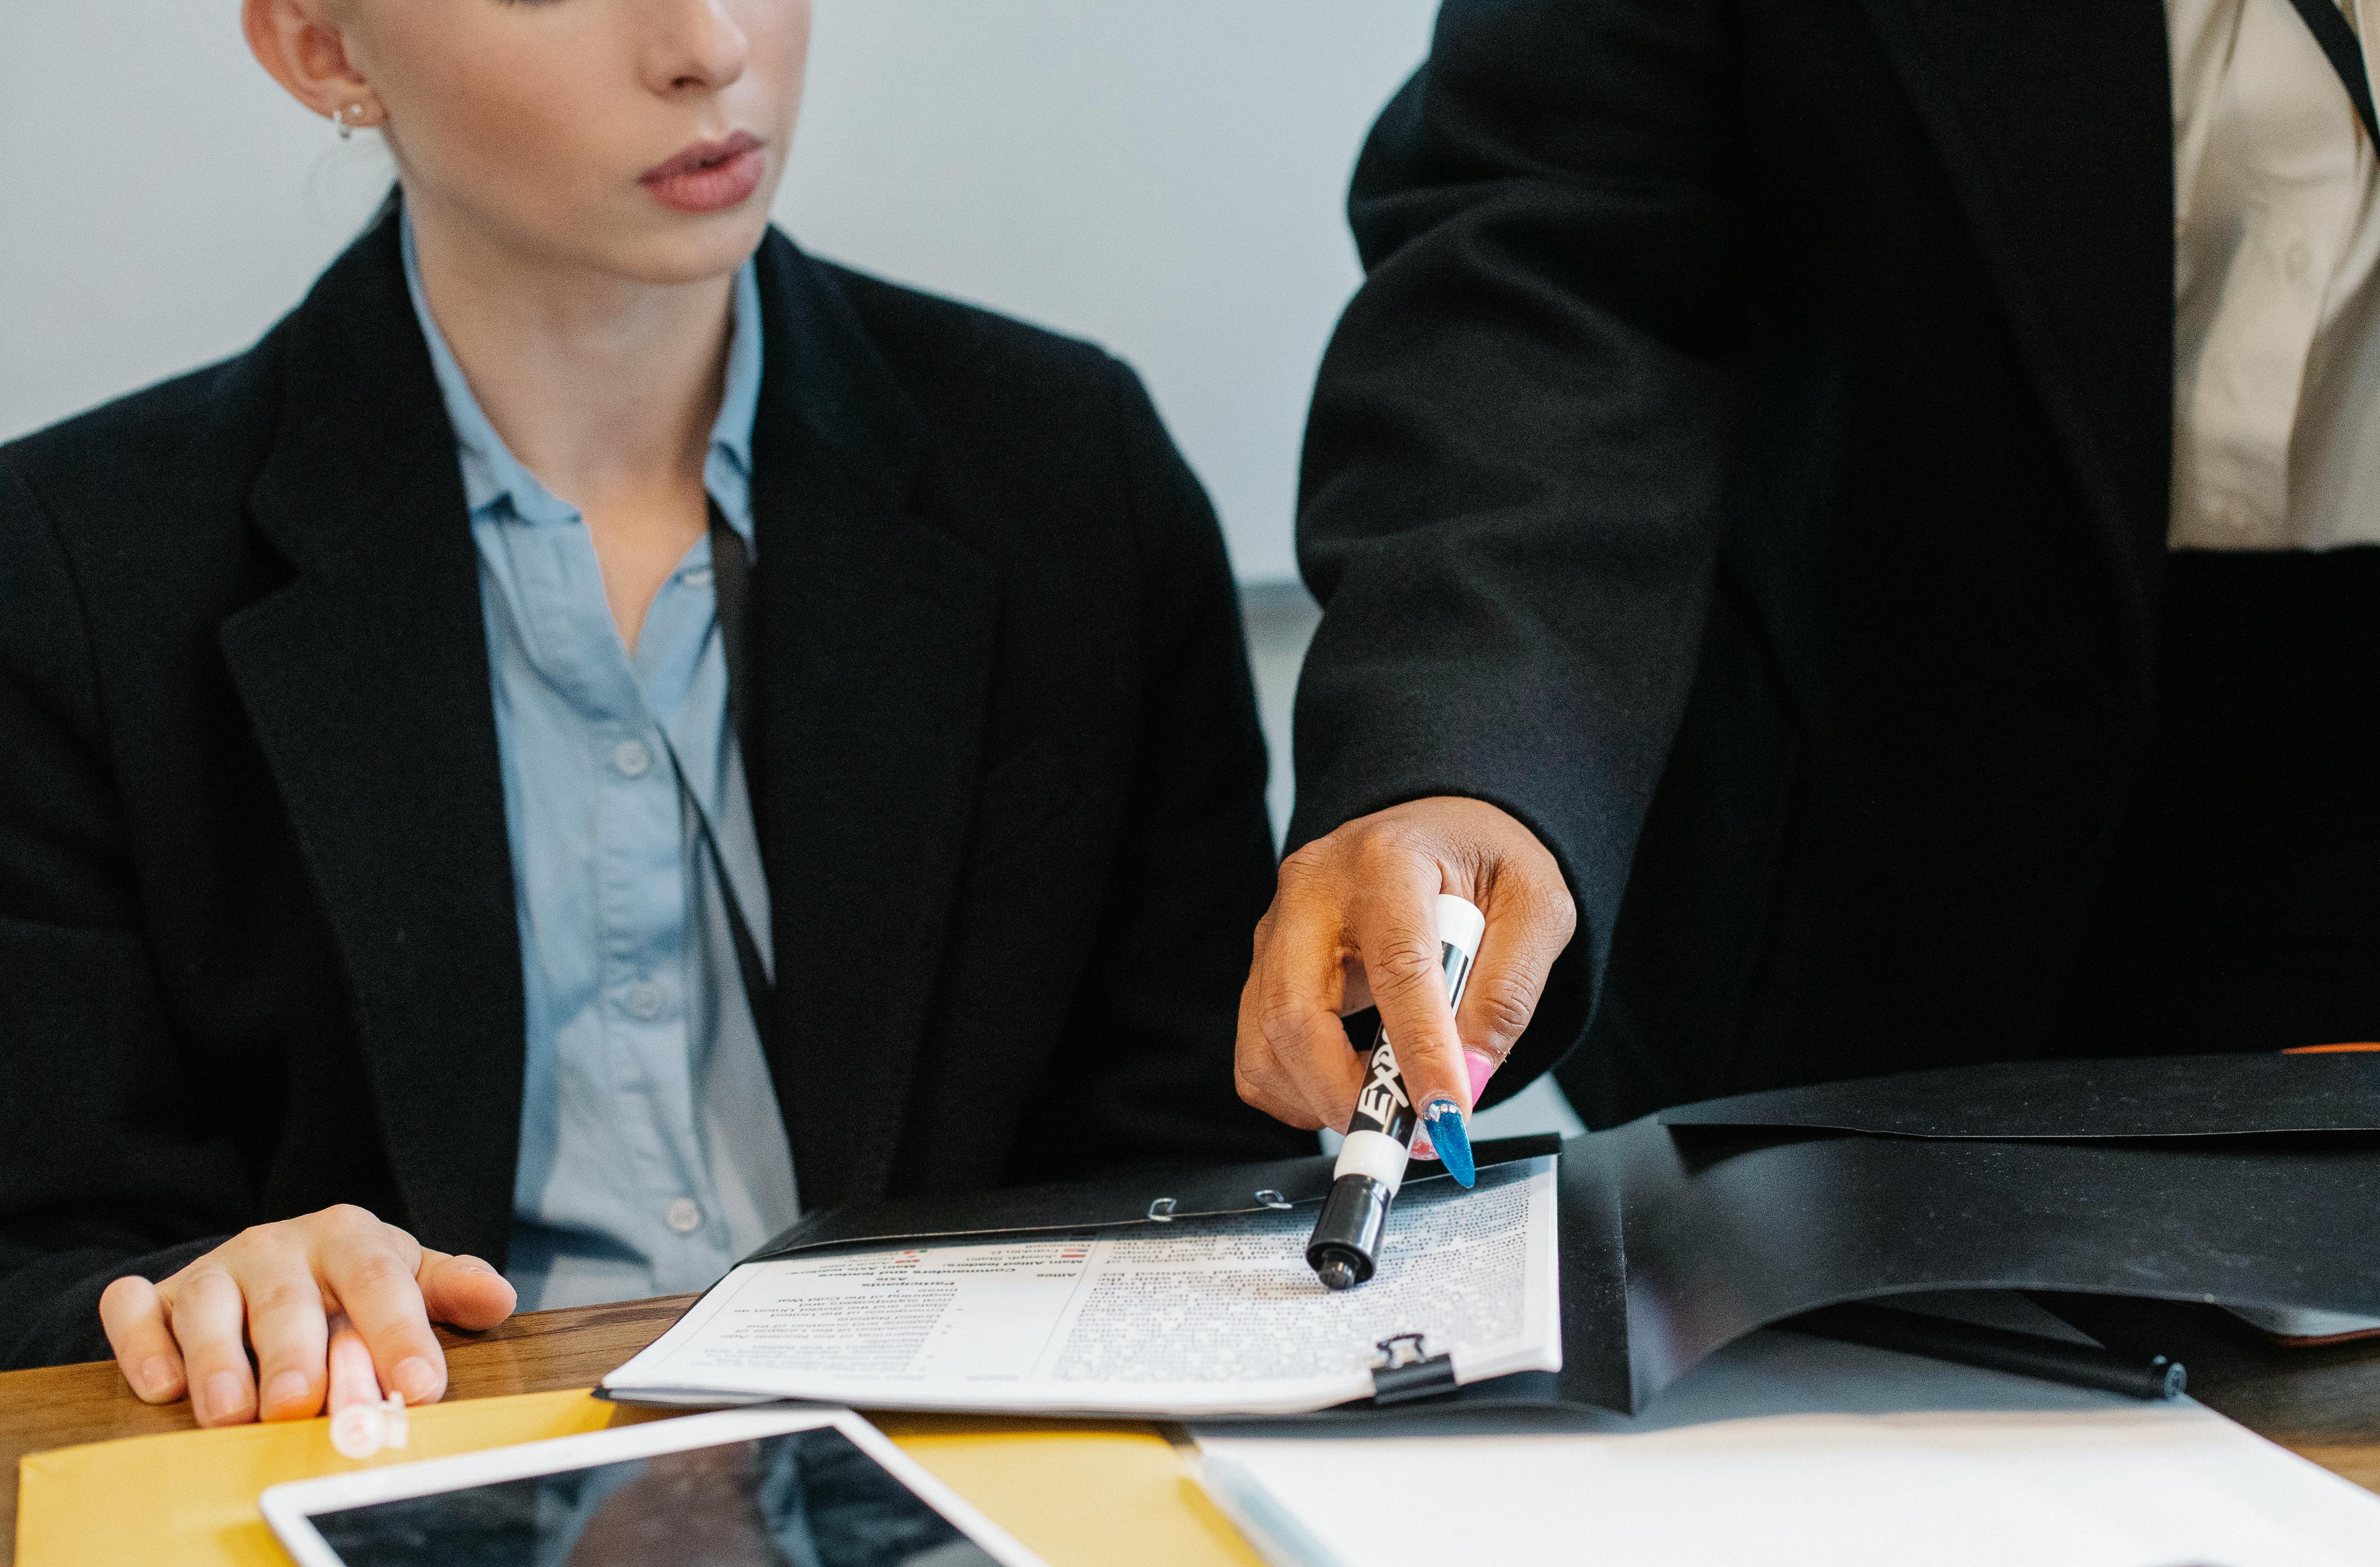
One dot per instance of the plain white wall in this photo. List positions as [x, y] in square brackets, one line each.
[1165, 176]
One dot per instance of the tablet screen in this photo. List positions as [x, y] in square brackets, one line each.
[799, 1499]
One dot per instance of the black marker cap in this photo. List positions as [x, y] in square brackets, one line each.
[1346, 1245]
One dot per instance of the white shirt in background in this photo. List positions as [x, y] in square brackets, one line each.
[2276, 325]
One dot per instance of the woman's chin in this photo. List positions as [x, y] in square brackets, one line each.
[689, 248]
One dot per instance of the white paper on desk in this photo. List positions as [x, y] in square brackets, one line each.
[1783, 1450]
[1201, 1317]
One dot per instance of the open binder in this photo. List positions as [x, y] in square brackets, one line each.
[2244, 1181]
[1170, 1309]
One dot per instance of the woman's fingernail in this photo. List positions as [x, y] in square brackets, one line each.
[156, 1376]
[1482, 1066]
[415, 1378]
[288, 1388]
[1451, 1137]
[226, 1399]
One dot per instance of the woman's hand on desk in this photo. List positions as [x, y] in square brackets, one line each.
[1353, 924]
[274, 1286]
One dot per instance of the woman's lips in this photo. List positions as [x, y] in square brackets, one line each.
[710, 176]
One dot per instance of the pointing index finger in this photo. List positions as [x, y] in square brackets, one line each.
[1395, 928]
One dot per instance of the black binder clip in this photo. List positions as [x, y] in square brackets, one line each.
[1405, 1374]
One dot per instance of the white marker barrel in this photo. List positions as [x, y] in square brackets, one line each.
[1344, 1247]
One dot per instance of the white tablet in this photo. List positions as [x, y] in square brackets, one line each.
[744, 1488]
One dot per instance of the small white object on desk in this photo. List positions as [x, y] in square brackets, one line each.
[362, 1421]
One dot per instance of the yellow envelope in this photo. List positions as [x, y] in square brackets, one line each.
[1080, 1495]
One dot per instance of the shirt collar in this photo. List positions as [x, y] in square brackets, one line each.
[493, 478]
[727, 472]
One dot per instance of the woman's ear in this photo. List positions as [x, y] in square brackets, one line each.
[300, 44]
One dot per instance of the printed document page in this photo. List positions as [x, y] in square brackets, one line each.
[1200, 1317]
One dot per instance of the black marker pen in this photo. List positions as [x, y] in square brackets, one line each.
[1346, 1242]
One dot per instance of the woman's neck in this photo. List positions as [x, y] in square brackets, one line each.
[601, 386]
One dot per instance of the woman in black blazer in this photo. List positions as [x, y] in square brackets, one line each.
[266, 915]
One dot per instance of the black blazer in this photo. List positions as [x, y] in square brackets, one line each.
[257, 941]
[1747, 463]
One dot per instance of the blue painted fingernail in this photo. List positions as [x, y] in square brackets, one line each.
[1452, 1140]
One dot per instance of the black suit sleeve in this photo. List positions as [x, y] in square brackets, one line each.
[1514, 467]
[105, 1169]
[1144, 1072]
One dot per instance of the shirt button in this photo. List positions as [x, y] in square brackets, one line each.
[2297, 260]
[685, 1216]
[632, 757]
[696, 576]
[645, 1000]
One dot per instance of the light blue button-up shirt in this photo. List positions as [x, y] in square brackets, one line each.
[652, 1154]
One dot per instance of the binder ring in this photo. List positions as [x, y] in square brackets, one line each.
[1271, 1199]
[1161, 1210]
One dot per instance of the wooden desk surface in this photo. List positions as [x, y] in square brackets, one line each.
[2323, 1403]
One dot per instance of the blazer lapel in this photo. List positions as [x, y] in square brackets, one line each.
[2055, 119]
[366, 680]
[873, 640]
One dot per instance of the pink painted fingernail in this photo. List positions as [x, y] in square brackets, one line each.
[1483, 1066]
[415, 1378]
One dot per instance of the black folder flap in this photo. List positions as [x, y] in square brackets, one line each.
[1154, 1197]
[1716, 1249]
[1157, 1198]
[1667, 1255]
[2153, 1096]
